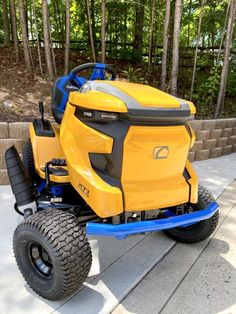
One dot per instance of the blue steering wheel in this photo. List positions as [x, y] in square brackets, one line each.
[99, 70]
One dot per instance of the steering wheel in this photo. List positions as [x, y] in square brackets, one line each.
[99, 71]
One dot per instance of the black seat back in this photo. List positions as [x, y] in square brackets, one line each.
[60, 94]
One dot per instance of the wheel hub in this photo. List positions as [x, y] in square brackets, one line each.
[40, 259]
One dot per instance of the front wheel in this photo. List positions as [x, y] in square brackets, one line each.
[52, 253]
[201, 230]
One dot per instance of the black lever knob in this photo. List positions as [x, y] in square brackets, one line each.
[41, 110]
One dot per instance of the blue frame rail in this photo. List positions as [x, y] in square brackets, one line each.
[121, 231]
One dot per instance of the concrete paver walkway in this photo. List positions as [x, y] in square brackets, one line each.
[118, 266]
[193, 279]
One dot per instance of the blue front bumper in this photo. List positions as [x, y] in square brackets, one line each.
[123, 230]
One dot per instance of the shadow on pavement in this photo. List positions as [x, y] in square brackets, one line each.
[208, 288]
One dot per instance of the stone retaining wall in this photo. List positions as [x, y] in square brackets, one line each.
[214, 138]
[11, 133]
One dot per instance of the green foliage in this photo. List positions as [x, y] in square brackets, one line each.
[206, 93]
[120, 30]
[126, 54]
[134, 75]
[231, 82]
[1, 25]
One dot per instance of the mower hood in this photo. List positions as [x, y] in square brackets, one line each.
[141, 102]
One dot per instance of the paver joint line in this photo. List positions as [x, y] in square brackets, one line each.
[216, 175]
[96, 276]
[227, 210]
[204, 249]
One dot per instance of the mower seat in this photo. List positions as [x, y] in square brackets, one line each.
[60, 93]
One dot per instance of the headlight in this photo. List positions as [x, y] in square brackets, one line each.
[95, 115]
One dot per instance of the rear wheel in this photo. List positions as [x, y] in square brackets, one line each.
[52, 253]
[201, 230]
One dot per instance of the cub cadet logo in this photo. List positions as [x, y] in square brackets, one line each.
[83, 189]
[160, 152]
[71, 87]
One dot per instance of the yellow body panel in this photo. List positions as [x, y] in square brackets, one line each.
[98, 101]
[147, 95]
[150, 183]
[193, 136]
[193, 181]
[44, 150]
[78, 140]
[153, 161]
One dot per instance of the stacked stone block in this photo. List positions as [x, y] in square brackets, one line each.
[214, 138]
[11, 134]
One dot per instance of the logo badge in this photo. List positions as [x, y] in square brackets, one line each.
[83, 189]
[161, 152]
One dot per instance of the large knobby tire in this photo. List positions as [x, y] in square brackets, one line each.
[52, 253]
[201, 230]
[28, 160]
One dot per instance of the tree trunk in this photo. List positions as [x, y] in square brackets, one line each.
[14, 29]
[228, 44]
[116, 40]
[31, 22]
[125, 26]
[189, 14]
[110, 33]
[196, 49]
[24, 33]
[92, 14]
[165, 46]
[10, 23]
[170, 33]
[223, 35]
[57, 22]
[37, 36]
[175, 55]
[103, 31]
[67, 43]
[138, 30]
[6, 28]
[155, 40]
[91, 35]
[151, 35]
[212, 95]
[47, 39]
[224, 90]
[51, 47]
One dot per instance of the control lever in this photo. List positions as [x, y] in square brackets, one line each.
[41, 111]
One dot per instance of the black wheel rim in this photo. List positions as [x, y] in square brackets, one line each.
[40, 260]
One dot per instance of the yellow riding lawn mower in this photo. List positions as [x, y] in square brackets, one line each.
[115, 164]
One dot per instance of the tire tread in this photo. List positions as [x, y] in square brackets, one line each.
[68, 243]
[204, 199]
[28, 159]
